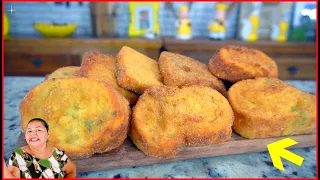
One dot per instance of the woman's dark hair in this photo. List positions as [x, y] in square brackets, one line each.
[41, 120]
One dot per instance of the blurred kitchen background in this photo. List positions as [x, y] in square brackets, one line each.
[43, 36]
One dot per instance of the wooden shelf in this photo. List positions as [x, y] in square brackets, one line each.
[41, 56]
[306, 48]
[75, 46]
[295, 60]
[37, 56]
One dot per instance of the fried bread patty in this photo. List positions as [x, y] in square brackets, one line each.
[102, 67]
[179, 70]
[84, 116]
[64, 72]
[235, 63]
[167, 118]
[269, 107]
[136, 71]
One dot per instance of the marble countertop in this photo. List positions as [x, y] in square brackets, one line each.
[243, 165]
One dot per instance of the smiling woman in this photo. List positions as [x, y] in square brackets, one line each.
[37, 159]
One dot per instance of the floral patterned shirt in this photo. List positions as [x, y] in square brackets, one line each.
[32, 167]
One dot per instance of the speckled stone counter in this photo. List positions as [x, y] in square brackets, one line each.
[243, 165]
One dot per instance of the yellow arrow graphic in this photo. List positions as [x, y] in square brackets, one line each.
[277, 150]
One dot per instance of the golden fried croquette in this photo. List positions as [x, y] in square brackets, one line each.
[102, 67]
[64, 72]
[179, 70]
[136, 71]
[84, 116]
[268, 107]
[235, 63]
[167, 118]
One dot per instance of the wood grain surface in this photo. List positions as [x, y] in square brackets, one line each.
[128, 155]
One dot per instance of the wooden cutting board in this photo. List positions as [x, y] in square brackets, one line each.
[128, 155]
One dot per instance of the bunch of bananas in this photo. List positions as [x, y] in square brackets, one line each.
[6, 26]
[55, 30]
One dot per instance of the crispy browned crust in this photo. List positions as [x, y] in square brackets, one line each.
[179, 70]
[85, 116]
[167, 118]
[102, 67]
[235, 63]
[64, 72]
[136, 71]
[269, 107]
